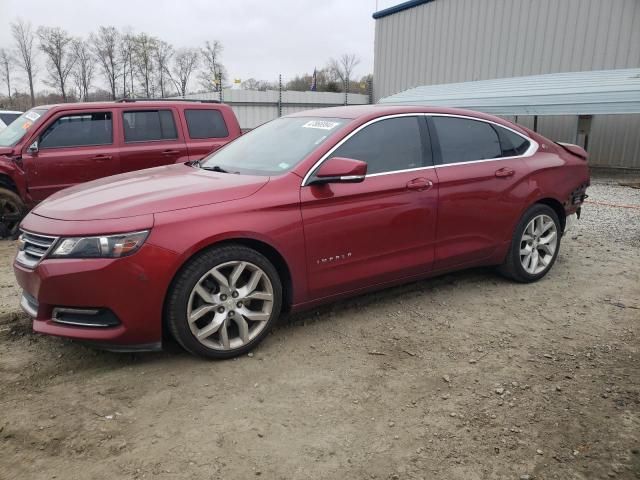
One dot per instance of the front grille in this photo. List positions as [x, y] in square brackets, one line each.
[33, 248]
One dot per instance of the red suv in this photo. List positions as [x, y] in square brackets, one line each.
[303, 210]
[53, 147]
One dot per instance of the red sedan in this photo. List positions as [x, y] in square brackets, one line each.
[304, 210]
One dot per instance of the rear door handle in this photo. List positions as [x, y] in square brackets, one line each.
[505, 172]
[419, 184]
[102, 158]
[170, 152]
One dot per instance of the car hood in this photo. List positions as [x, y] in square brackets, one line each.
[148, 191]
[6, 150]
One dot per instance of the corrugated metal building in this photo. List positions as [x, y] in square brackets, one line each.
[428, 42]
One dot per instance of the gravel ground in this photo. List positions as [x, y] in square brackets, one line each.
[466, 376]
[607, 221]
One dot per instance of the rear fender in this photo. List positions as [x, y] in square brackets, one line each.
[574, 149]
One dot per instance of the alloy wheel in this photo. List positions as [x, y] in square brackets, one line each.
[230, 305]
[538, 244]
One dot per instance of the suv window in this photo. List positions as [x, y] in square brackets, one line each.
[147, 125]
[512, 144]
[206, 124]
[79, 129]
[387, 145]
[7, 118]
[464, 140]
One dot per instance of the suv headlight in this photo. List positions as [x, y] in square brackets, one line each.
[107, 246]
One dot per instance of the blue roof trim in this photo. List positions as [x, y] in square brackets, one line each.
[399, 8]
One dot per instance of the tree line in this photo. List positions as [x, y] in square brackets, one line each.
[128, 64]
[337, 75]
[113, 63]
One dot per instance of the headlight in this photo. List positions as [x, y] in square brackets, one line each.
[107, 246]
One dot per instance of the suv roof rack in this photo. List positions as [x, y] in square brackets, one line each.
[133, 100]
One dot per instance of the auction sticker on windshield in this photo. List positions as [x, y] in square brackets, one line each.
[33, 116]
[320, 124]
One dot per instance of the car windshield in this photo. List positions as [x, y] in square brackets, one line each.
[275, 147]
[19, 128]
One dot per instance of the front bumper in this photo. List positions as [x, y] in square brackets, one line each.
[130, 289]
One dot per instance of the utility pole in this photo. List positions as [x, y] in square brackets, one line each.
[346, 91]
[280, 95]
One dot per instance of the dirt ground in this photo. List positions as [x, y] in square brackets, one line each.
[466, 376]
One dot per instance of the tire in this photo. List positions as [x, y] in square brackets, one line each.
[231, 289]
[530, 236]
[12, 211]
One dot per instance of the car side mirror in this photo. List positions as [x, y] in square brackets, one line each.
[33, 148]
[340, 170]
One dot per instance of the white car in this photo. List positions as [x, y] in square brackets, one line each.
[6, 117]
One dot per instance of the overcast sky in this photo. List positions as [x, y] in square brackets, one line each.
[261, 38]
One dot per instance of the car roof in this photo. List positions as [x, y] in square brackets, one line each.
[368, 112]
[11, 111]
[128, 103]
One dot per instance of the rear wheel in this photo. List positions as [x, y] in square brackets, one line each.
[224, 302]
[12, 211]
[535, 245]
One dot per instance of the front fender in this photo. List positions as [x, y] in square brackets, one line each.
[276, 225]
[16, 176]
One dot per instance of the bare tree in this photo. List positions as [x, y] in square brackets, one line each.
[185, 62]
[55, 44]
[6, 61]
[105, 47]
[327, 80]
[261, 85]
[84, 67]
[126, 52]
[144, 49]
[343, 68]
[24, 37]
[212, 69]
[162, 55]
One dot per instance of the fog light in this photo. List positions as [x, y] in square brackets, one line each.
[85, 317]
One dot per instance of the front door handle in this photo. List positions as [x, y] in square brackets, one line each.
[102, 158]
[170, 152]
[505, 172]
[419, 184]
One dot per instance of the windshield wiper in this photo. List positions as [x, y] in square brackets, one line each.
[214, 168]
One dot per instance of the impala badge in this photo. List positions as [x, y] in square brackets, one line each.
[334, 258]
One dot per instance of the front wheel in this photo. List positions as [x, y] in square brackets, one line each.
[224, 301]
[535, 245]
[12, 211]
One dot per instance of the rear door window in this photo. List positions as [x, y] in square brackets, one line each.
[205, 124]
[149, 125]
[466, 140]
[513, 145]
[78, 129]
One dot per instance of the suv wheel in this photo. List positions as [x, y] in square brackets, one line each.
[12, 211]
[224, 301]
[535, 245]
